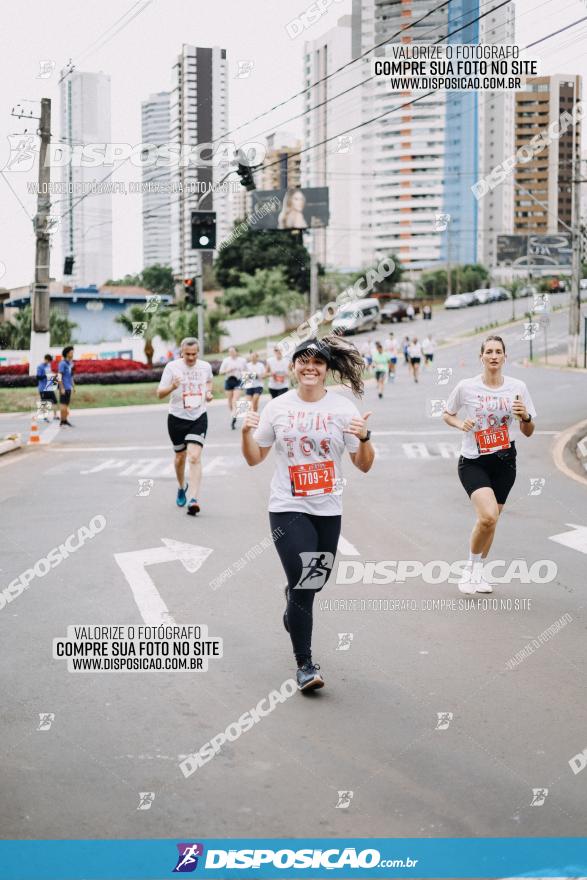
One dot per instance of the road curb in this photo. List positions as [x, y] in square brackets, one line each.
[11, 445]
[565, 444]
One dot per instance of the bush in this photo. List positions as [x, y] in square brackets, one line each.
[116, 377]
[108, 365]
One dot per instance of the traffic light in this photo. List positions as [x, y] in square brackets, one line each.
[244, 171]
[189, 289]
[203, 230]
[68, 265]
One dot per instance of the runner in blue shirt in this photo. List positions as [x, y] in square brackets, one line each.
[66, 384]
[46, 384]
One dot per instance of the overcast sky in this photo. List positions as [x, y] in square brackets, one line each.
[139, 61]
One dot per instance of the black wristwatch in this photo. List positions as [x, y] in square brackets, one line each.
[528, 420]
[364, 439]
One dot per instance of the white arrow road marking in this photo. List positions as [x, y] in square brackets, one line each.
[576, 540]
[346, 548]
[134, 564]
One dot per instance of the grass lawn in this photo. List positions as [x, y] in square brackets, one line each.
[88, 396]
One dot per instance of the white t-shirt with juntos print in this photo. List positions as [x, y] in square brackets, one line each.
[489, 407]
[309, 448]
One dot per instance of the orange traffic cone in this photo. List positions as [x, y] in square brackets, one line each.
[34, 435]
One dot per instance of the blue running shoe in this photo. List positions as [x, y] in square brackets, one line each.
[181, 496]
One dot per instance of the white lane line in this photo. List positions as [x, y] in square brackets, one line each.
[48, 435]
[346, 548]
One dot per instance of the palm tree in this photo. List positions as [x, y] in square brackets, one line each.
[151, 324]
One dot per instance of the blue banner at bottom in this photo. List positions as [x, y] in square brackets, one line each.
[501, 857]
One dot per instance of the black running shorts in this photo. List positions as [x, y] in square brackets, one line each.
[495, 471]
[184, 431]
[231, 383]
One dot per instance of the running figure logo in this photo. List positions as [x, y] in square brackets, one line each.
[436, 408]
[441, 222]
[247, 379]
[344, 800]
[443, 375]
[138, 329]
[344, 641]
[444, 719]
[344, 144]
[187, 860]
[46, 68]
[146, 799]
[45, 410]
[46, 719]
[23, 152]
[530, 331]
[537, 484]
[244, 69]
[145, 487]
[539, 795]
[242, 407]
[315, 570]
[153, 302]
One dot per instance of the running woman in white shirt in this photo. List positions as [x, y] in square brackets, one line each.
[428, 348]
[278, 373]
[189, 382]
[254, 382]
[391, 346]
[233, 368]
[497, 410]
[311, 426]
[415, 356]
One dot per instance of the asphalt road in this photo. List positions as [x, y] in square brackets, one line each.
[375, 729]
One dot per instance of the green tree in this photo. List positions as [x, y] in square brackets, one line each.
[16, 333]
[182, 320]
[267, 292]
[256, 249]
[157, 279]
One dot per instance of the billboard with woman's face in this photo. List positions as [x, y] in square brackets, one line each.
[297, 209]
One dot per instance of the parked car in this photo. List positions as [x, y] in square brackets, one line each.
[454, 301]
[483, 295]
[500, 293]
[364, 314]
[394, 310]
[528, 290]
[468, 299]
[583, 283]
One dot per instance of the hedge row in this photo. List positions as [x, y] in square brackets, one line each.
[115, 378]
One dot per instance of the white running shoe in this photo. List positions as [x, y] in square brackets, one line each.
[483, 587]
[471, 580]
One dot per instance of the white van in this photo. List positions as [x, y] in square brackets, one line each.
[355, 317]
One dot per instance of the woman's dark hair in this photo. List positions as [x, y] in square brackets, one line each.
[346, 363]
[495, 339]
[66, 350]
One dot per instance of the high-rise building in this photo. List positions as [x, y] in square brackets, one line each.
[198, 116]
[336, 164]
[496, 141]
[86, 227]
[281, 163]
[156, 179]
[543, 197]
[479, 136]
[403, 151]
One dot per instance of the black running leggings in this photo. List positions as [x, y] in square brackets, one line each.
[303, 533]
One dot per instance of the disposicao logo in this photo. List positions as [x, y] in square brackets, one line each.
[188, 857]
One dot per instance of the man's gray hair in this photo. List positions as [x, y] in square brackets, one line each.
[189, 340]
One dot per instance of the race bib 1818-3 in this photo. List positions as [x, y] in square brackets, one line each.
[492, 440]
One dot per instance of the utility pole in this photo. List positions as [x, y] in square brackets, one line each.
[313, 274]
[575, 299]
[40, 338]
[448, 281]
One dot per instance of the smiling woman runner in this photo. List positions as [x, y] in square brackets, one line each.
[311, 427]
[497, 408]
